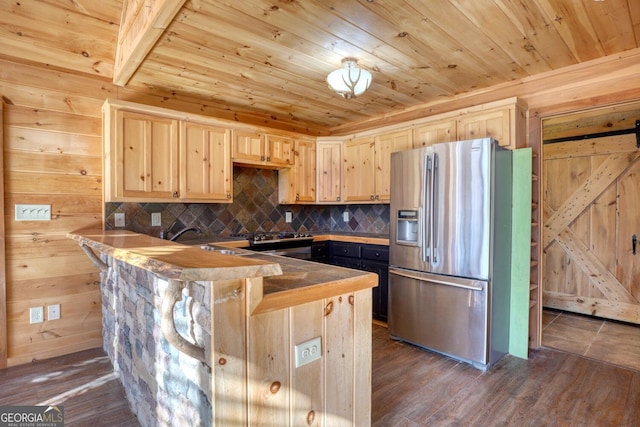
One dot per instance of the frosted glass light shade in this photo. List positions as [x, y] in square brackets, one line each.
[349, 81]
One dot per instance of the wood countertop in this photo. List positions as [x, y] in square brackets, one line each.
[286, 281]
[365, 238]
[370, 239]
[173, 260]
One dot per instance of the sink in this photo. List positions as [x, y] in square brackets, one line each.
[223, 251]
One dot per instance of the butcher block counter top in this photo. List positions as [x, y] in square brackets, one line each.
[286, 281]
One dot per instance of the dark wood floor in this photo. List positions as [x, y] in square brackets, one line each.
[411, 387]
[83, 383]
[414, 387]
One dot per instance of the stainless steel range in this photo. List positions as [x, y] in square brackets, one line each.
[293, 245]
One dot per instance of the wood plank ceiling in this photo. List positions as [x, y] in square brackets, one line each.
[270, 58]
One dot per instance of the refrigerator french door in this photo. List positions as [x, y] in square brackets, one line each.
[449, 249]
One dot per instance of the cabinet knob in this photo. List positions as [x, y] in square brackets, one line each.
[262, 158]
[372, 197]
[338, 199]
[268, 158]
[297, 197]
[175, 194]
[228, 195]
[377, 197]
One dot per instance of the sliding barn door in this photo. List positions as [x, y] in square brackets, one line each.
[591, 212]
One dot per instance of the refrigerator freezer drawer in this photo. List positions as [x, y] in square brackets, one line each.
[448, 315]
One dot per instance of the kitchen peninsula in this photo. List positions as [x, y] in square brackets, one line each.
[271, 340]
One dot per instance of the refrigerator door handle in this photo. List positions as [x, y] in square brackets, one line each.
[425, 212]
[432, 214]
[422, 235]
[469, 284]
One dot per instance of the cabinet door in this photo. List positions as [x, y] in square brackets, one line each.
[297, 184]
[205, 162]
[279, 150]
[329, 170]
[359, 170]
[433, 133]
[384, 146]
[493, 124]
[375, 258]
[305, 171]
[380, 294]
[248, 146]
[146, 156]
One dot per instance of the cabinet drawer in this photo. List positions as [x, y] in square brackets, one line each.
[319, 249]
[348, 262]
[375, 253]
[345, 250]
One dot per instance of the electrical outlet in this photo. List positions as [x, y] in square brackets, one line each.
[36, 314]
[345, 216]
[156, 219]
[308, 351]
[119, 219]
[53, 312]
[287, 217]
[33, 212]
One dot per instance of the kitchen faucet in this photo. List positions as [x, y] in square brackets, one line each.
[180, 233]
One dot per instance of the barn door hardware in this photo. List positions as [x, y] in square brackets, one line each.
[634, 242]
[635, 130]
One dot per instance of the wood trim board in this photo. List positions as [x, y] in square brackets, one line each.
[3, 278]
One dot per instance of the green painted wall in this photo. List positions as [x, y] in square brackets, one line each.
[520, 253]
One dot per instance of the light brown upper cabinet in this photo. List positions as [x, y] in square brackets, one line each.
[367, 166]
[385, 145]
[206, 172]
[297, 185]
[329, 172]
[158, 156]
[506, 124]
[428, 134]
[359, 170]
[257, 149]
[141, 156]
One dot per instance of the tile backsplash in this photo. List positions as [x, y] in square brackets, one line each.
[255, 207]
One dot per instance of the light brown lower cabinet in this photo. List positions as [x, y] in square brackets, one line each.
[255, 377]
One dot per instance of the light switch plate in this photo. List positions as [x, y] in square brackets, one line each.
[119, 219]
[345, 216]
[36, 315]
[33, 212]
[287, 217]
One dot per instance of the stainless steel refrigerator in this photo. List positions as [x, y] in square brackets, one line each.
[450, 245]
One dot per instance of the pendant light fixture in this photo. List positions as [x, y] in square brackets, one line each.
[350, 80]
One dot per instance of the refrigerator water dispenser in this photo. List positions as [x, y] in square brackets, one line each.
[407, 227]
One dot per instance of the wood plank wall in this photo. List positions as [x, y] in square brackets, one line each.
[52, 154]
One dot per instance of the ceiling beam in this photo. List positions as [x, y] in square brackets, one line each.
[141, 25]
